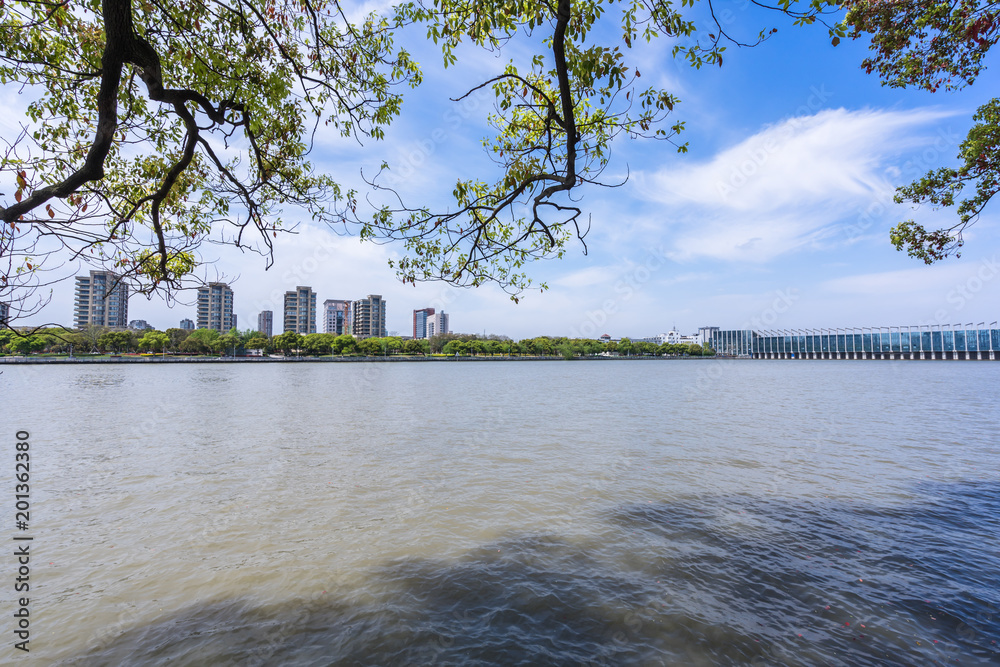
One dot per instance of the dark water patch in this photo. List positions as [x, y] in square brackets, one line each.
[527, 601]
[724, 580]
[865, 585]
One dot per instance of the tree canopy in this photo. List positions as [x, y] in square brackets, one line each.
[156, 127]
[933, 46]
[555, 122]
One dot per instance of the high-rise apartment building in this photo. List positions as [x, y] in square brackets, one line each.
[437, 324]
[300, 311]
[215, 307]
[336, 316]
[265, 323]
[4, 312]
[187, 325]
[420, 322]
[368, 317]
[101, 299]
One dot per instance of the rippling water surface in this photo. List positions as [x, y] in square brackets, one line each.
[647, 512]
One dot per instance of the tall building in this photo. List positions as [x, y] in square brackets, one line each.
[187, 325]
[300, 311]
[215, 307]
[437, 324]
[336, 316]
[4, 312]
[368, 317]
[265, 323]
[101, 299]
[420, 322]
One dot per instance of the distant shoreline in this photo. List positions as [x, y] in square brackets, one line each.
[262, 360]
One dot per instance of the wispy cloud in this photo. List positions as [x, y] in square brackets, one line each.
[918, 280]
[783, 188]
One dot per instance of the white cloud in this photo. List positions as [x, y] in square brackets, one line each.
[802, 160]
[594, 275]
[906, 281]
[786, 186]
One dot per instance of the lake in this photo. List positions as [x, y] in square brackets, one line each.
[695, 512]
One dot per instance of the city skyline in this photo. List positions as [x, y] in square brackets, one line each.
[426, 322]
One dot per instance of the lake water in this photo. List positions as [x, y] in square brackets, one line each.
[697, 512]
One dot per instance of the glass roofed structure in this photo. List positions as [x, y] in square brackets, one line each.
[973, 342]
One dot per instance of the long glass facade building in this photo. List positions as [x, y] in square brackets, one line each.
[973, 342]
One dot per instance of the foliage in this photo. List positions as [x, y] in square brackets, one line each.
[115, 341]
[419, 346]
[555, 121]
[370, 347]
[625, 347]
[392, 344]
[159, 126]
[176, 336]
[288, 342]
[27, 344]
[923, 43]
[199, 341]
[929, 45]
[154, 341]
[257, 343]
[154, 123]
[6, 337]
[207, 341]
[194, 345]
[226, 343]
[318, 343]
[92, 333]
[206, 336]
[345, 344]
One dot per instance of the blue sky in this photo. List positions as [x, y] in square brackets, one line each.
[777, 217]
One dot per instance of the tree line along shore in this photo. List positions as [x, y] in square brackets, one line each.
[100, 341]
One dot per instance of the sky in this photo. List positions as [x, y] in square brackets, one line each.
[778, 217]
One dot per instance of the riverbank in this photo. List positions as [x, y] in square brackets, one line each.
[263, 360]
